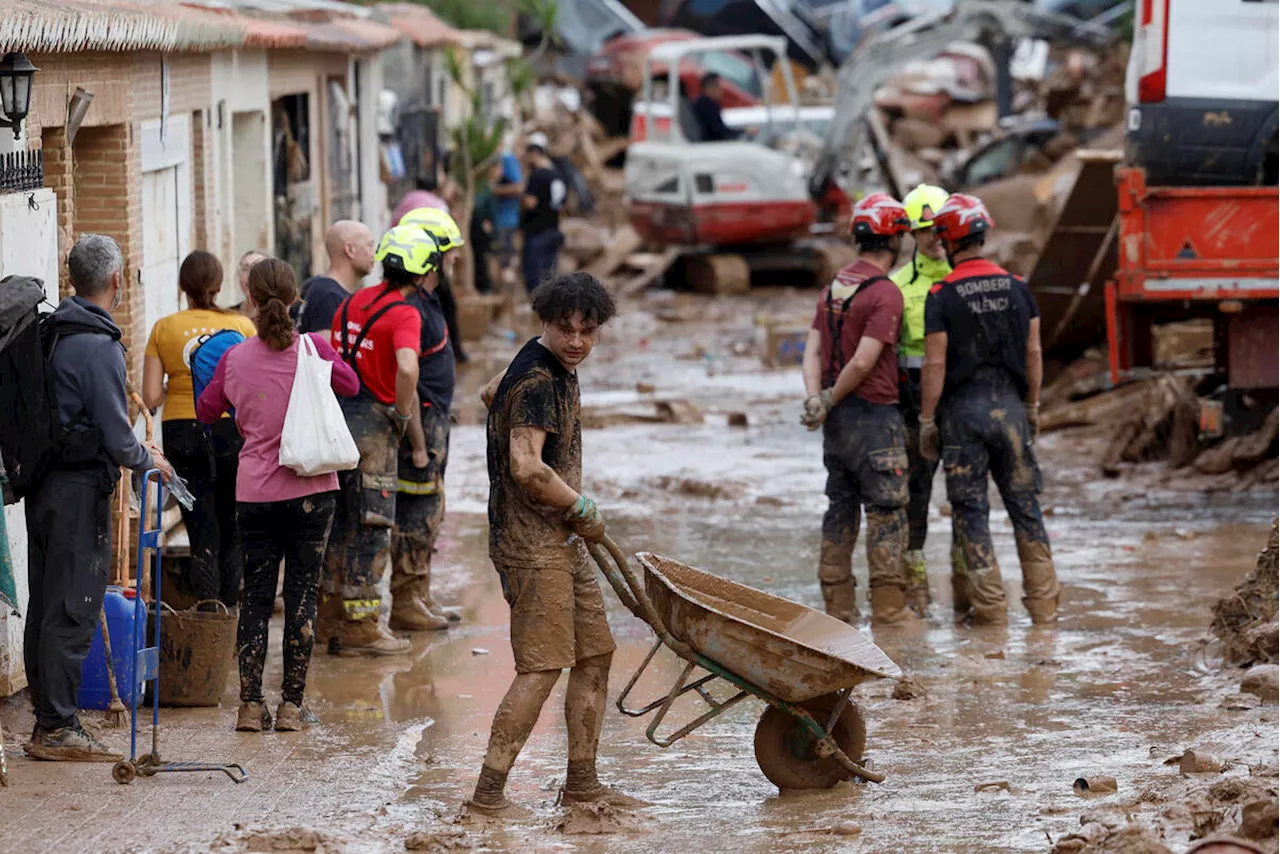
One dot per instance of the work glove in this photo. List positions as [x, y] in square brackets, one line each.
[816, 408]
[1033, 419]
[928, 439]
[584, 518]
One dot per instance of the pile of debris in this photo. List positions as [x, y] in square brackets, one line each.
[1160, 418]
[1246, 621]
[937, 123]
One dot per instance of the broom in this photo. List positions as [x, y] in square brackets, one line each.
[116, 711]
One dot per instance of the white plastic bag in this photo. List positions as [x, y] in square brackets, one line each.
[315, 439]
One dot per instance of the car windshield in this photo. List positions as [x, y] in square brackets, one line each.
[736, 69]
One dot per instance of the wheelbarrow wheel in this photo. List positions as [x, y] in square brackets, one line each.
[785, 747]
[123, 772]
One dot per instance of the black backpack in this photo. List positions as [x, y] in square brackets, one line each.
[31, 435]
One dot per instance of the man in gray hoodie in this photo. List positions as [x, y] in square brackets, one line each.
[69, 514]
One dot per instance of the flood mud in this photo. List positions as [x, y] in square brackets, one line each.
[1129, 677]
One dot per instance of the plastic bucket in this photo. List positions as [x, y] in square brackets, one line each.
[197, 646]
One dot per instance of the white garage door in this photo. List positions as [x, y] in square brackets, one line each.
[166, 214]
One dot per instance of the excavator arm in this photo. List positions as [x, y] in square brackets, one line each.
[995, 24]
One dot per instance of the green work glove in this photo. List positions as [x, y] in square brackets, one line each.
[584, 518]
[816, 408]
[928, 439]
[1033, 419]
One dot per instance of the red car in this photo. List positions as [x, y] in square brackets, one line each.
[616, 73]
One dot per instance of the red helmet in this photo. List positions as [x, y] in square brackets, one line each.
[962, 216]
[879, 214]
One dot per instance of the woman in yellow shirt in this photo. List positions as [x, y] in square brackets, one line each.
[206, 457]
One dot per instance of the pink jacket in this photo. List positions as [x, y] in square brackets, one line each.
[257, 381]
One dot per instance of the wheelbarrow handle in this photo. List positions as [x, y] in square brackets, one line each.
[613, 563]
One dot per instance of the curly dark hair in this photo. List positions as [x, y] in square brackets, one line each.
[559, 297]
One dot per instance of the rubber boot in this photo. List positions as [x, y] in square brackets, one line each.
[453, 615]
[916, 573]
[1039, 580]
[328, 618]
[889, 607]
[995, 615]
[959, 581]
[835, 576]
[367, 638]
[410, 613]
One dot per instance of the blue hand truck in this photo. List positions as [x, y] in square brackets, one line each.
[147, 659]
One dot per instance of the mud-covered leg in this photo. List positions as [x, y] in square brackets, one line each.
[303, 557]
[965, 462]
[263, 549]
[920, 474]
[839, 535]
[512, 723]
[584, 704]
[959, 573]
[886, 536]
[411, 563]
[1017, 476]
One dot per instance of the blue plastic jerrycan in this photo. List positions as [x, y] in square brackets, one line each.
[95, 690]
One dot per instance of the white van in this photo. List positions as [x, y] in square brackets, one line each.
[1202, 86]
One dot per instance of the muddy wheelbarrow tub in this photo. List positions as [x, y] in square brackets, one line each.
[802, 663]
[792, 650]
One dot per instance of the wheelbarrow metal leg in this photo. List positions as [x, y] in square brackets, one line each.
[692, 686]
[678, 689]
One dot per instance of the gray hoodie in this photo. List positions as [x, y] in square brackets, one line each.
[90, 382]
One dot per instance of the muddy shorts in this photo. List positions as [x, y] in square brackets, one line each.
[557, 616]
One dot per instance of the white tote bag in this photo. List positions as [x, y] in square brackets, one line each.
[315, 439]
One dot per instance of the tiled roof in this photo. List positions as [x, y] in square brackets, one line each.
[420, 24]
[63, 26]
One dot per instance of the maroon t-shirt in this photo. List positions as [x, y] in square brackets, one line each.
[874, 311]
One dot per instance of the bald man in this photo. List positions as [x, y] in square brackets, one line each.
[350, 248]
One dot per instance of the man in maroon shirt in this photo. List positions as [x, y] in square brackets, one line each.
[851, 376]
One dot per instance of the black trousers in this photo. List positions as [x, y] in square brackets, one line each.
[69, 559]
[207, 458]
[296, 532]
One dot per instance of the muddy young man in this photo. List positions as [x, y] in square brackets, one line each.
[851, 376]
[538, 522]
[980, 402]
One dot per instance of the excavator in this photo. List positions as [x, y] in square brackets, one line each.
[727, 209]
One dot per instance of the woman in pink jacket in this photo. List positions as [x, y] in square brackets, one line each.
[281, 514]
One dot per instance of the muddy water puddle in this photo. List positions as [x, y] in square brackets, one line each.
[1119, 685]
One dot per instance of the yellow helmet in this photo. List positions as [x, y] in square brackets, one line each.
[922, 203]
[408, 248]
[438, 224]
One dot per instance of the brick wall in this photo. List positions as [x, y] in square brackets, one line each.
[190, 86]
[58, 177]
[105, 182]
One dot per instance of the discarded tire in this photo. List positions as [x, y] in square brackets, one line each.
[197, 648]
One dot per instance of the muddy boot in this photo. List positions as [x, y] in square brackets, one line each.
[411, 614]
[329, 620]
[917, 576]
[291, 717]
[835, 575]
[1039, 580]
[367, 638]
[253, 717]
[602, 794]
[71, 744]
[994, 615]
[959, 581]
[453, 615]
[889, 607]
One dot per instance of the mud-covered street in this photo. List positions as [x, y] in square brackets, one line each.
[981, 757]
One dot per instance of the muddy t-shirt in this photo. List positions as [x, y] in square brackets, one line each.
[986, 312]
[537, 391]
[848, 312]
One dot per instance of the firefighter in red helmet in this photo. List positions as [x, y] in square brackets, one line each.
[851, 376]
[980, 409]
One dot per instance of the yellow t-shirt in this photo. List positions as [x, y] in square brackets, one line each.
[173, 339]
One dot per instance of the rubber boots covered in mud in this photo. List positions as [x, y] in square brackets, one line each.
[985, 432]
[864, 452]
[419, 514]
[360, 545]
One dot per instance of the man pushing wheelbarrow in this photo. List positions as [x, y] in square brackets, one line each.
[802, 663]
[538, 522]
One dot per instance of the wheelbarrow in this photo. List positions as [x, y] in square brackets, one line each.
[804, 664]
